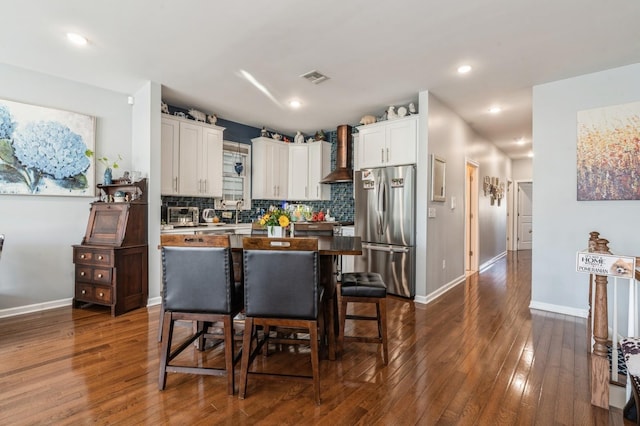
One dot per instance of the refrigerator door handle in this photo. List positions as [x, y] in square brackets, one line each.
[380, 210]
[389, 249]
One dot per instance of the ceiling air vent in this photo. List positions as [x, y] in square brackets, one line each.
[315, 77]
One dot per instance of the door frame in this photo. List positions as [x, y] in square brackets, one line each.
[471, 199]
[516, 211]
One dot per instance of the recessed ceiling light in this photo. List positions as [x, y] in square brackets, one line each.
[295, 103]
[76, 39]
[463, 69]
[495, 110]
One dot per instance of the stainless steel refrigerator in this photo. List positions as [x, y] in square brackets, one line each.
[385, 220]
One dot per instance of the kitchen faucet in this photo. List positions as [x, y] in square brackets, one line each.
[238, 205]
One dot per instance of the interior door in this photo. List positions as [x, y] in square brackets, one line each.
[471, 218]
[525, 216]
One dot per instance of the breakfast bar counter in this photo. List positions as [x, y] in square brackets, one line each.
[327, 245]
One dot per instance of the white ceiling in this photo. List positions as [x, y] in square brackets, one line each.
[376, 54]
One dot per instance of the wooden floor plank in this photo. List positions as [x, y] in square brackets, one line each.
[476, 355]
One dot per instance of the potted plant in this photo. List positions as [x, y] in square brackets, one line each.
[276, 220]
[109, 166]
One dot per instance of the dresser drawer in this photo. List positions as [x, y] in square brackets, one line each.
[93, 256]
[93, 293]
[93, 274]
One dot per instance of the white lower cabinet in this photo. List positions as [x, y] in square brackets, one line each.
[191, 158]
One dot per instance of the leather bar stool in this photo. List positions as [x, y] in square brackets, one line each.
[364, 287]
[199, 286]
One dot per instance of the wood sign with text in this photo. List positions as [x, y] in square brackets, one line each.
[606, 264]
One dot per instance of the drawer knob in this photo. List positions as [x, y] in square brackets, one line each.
[101, 294]
[84, 291]
[100, 257]
[82, 274]
[99, 275]
[82, 256]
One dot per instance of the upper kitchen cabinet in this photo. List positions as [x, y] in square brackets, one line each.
[308, 165]
[387, 143]
[191, 158]
[270, 164]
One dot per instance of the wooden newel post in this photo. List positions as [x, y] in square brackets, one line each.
[599, 361]
[593, 238]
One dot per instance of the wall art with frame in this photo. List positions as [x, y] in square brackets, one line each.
[608, 153]
[43, 151]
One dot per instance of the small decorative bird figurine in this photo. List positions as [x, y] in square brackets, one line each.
[391, 113]
[412, 108]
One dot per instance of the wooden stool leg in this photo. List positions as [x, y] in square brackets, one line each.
[161, 322]
[228, 353]
[246, 355]
[166, 349]
[315, 365]
[343, 320]
[382, 325]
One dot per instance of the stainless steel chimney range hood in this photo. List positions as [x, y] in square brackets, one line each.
[342, 172]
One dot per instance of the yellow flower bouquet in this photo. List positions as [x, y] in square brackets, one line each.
[275, 217]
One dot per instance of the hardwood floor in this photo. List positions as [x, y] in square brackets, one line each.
[477, 355]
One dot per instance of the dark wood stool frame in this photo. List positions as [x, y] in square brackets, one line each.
[380, 318]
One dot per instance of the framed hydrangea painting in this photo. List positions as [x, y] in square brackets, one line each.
[43, 151]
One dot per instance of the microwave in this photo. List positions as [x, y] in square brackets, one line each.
[183, 216]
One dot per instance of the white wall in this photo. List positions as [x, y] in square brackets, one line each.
[453, 139]
[522, 169]
[146, 158]
[36, 266]
[562, 224]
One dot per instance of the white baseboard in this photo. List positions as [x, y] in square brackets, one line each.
[152, 301]
[439, 292]
[486, 265]
[559, 309]
[36, 307]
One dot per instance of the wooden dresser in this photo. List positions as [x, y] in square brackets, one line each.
[111, 264]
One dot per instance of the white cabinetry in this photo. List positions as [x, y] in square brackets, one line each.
[170, 156]
[191, 158]
[270, 165]
[308, 165]
[387, 143]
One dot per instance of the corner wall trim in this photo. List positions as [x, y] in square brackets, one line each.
[439, 292]
[559, 309]
[36, 307]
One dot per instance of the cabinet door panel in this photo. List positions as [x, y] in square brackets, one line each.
[319, 167]
[211, 162]
[169, 153]
[401, 142]
[298, 172]
[281, 170]
[190, 143]
[371, 147]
